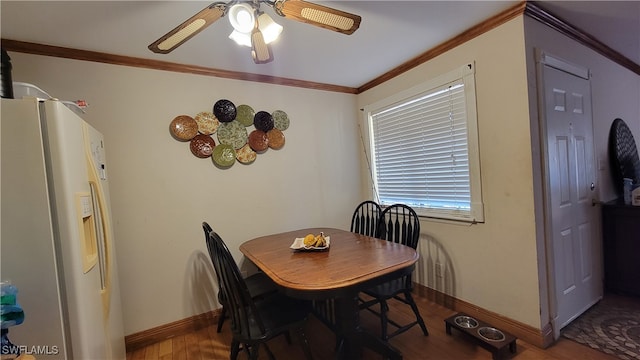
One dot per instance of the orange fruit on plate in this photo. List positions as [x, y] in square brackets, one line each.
[309, 240]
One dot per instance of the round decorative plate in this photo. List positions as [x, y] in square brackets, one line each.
[207, 122]
[224, 155]
[224, 110]
[232, 133]
[246, 155]
[280, 120]
[258, 140]
[276, 138]
[623, 155]
[184, 127]
[202, 145]
[262, 120]
[245, 114]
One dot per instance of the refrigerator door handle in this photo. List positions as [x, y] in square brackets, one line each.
[103, 227]
[99, 233]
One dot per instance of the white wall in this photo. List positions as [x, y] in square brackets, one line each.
[492, 265]
[161, 193]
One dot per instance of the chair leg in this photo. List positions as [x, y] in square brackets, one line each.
[384, 321]
[254, 350]
[339, 343]
[414, 307]
[235, 349]
[305, 345]
[269, 353]
[223, 315]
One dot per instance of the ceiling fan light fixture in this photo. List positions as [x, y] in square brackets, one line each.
[242, 17]
[254, 28]
[270, 31]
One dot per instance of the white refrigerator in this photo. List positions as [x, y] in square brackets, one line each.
[56, 243]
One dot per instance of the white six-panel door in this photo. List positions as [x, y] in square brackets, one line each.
[575, 243]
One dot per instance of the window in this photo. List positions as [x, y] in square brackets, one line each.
[424, 148]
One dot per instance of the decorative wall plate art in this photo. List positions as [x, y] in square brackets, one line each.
[280, 120]
[202, 145]
[230, 125]
[233, 133]
[246, 155]
[184, 127]
[207, 123]
[224, 155]
[224, 110]
[263, 121]
[245, 114]
[258, 140]
[276, 138]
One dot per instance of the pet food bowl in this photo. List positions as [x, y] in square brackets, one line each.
[466, 322]
[491, 334]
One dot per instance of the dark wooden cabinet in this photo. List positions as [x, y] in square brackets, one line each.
[621, 247]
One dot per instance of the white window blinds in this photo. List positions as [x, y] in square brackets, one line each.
[420, 149]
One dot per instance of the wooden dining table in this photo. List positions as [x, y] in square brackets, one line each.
[352, 263]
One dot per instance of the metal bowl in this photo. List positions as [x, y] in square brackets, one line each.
[491, 334]
[466, 321]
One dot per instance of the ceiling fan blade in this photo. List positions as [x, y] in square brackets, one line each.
[260, 51]
[188, 29]
[318, 15]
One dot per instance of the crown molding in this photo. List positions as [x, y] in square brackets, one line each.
[460, 39]
[537, 12]
[76, 54]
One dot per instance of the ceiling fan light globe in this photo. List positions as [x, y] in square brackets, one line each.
[270, 29]
[241, 39]
[242, 17]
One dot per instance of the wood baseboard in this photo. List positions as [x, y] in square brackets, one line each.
[159, 333]
[541, 338]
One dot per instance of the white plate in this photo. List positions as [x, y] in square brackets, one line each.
[298, 244]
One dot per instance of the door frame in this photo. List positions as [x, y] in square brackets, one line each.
[542, 59]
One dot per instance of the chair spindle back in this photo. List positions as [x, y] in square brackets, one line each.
[365, 218]
[399, 223]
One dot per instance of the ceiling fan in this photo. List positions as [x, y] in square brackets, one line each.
[255, 28]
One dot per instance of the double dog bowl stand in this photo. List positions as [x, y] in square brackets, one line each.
[494, 340]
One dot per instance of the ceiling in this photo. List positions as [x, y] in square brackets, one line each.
[391, 33]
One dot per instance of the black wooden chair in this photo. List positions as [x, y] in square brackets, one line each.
[365, 218]
[254, 322]
[400, 224]
[365, 221]
[259, 284]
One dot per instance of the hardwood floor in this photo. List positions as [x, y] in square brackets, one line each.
[207, 344]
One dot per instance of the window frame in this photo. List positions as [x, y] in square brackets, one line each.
[466, 74]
